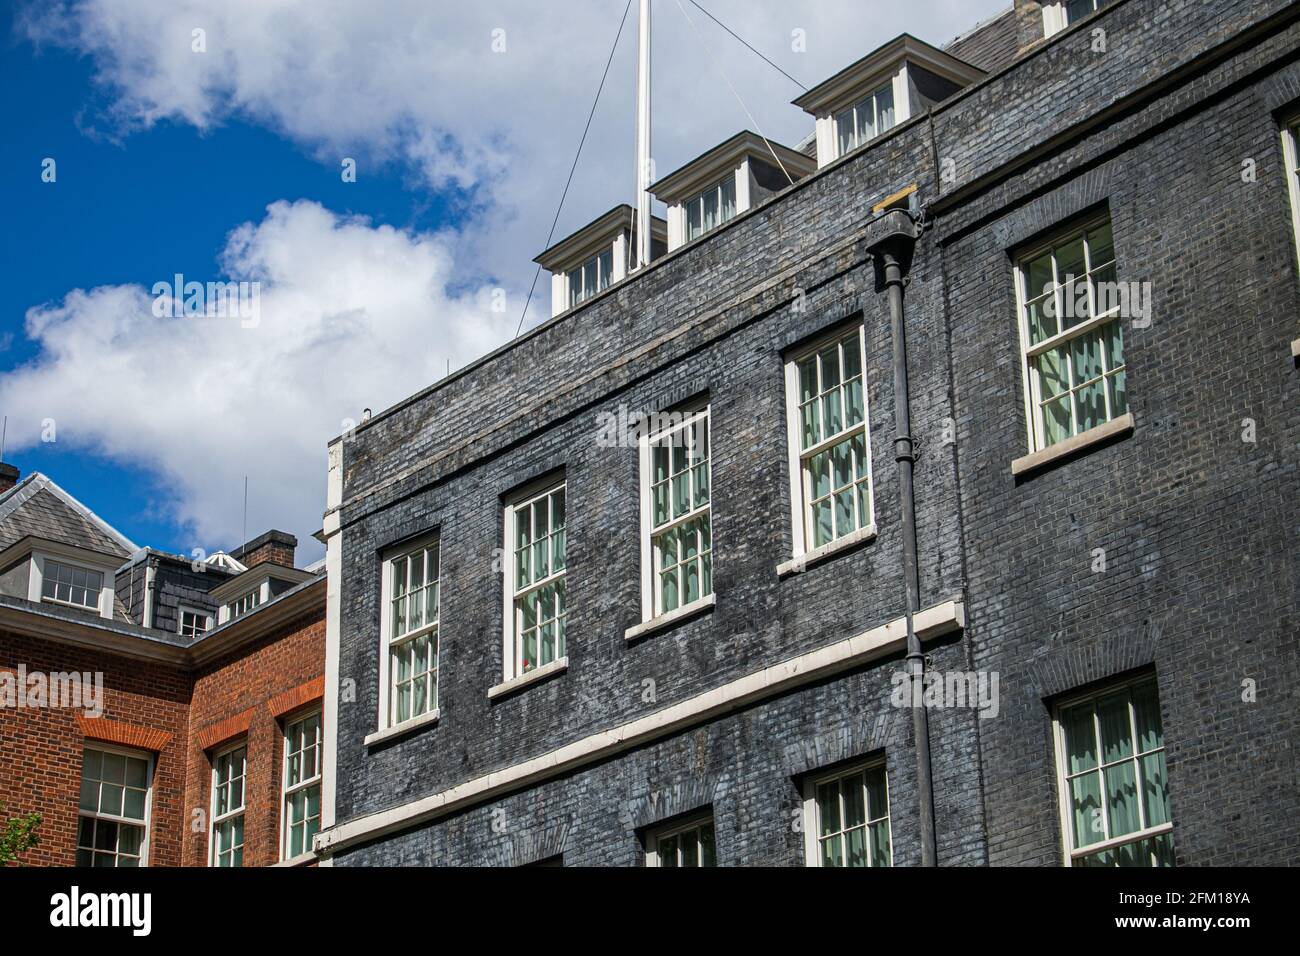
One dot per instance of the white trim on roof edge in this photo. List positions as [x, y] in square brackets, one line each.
[22, 492]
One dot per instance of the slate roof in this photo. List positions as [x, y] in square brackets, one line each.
[37, 507]
[991, 45]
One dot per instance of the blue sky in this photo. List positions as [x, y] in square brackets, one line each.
[132, 209]
[225, 164]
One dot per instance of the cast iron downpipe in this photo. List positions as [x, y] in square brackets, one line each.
[892, 253]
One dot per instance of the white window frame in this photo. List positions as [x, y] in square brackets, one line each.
[695, 821]
[512, 648]
[1291, 155]
[36, 586]
[682, 419]
[811, 811]
[184, 609]
[144, 755]
[603, 265]
[248, 601]
[854, 109]
[718, 190]
[1071, 853]
[287, 790]
[387, 642]
[1056, 15]
[800, 490]
[240, 811]
[1035, 427]
[827, 133]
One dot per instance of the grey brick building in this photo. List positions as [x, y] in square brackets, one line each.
[1106, 499]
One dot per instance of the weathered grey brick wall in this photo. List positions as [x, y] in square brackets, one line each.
[1199, 527]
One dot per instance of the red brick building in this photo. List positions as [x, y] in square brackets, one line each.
[155, 710]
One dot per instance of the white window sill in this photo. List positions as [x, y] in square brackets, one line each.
[702, 606]
[1093, 436]
[804, 561]
[400, 730]
[1081, 853]
[528, 679]
[302, 859]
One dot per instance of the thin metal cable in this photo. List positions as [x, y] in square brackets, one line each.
[755, 52]
[734, 93]
[573, 169]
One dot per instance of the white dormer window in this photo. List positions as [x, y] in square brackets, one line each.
[866, 119]
[595, 257]
[711, 208]
[68, 581]
[593, 276]
[727, 181]
[245, 592]
[1061, 14]
[73, 586]
[888, 87]
[244, 604]
[1076, 10]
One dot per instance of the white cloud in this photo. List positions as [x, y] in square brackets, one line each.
[417, 83]
[351, 316]
[354, 315]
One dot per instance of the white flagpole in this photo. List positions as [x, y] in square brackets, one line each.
[643, 141]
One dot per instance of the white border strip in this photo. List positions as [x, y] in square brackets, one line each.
[334, 582]
[779, 678]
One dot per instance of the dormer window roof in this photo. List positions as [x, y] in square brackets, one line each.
[726, 181]
[596, 256]
[46, 571]
[54, 550]
[887, 87]
[258, 585]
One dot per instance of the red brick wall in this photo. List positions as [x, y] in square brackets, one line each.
[41, 749]
[273, 551]
[240, 695]
[186, 715]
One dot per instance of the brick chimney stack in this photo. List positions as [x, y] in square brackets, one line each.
[8, 476]
[277, 547]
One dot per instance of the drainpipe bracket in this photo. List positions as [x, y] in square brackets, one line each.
[890, 241]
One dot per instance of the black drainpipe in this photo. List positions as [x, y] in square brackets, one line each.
[892, 253]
